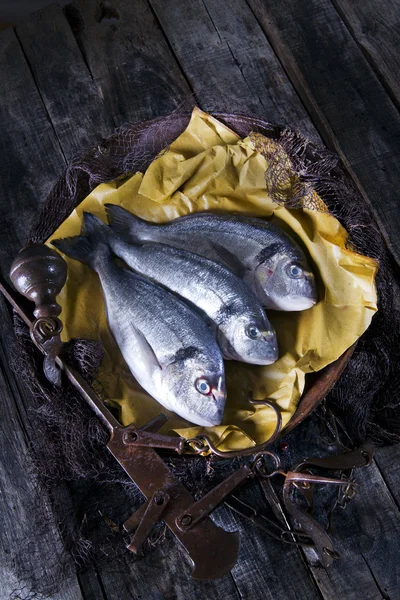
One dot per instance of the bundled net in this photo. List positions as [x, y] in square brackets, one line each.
[69, 442]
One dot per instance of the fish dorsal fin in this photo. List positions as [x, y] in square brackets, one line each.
[230, 260]
[127, 225]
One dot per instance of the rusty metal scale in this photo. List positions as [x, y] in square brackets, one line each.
[38, 273]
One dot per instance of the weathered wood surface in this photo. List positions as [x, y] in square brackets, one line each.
[346, 101]
[377, 34]
[66, 82]
[365, 533]
[129, 59]
[31, 162]
[229, 62]
[69, 93]
[18, 526]
[31, 157]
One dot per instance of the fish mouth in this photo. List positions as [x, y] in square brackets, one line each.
[211, 422]
[262, 361]
[202, 420]
[267, 359]
[219, 396]
[303, 303]
[294, 303]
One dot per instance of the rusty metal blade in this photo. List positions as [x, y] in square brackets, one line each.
[212, 550]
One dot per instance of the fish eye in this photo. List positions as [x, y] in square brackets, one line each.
[253, 332]
[295, 271]
[203, 386]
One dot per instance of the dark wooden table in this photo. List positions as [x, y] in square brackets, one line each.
[68, 78]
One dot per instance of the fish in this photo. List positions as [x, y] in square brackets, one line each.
[258, 251]
[170, 350]
[244, 332]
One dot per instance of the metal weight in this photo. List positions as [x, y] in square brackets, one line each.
[39, 274]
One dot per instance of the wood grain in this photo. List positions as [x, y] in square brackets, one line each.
[29, 549]
[70, 96]
[129, 59]
[388, 461]
[127, 72]
[366, 534]
[263, 562]
[229, 62]
[375, 28]
[164, 572]
[91, 585]
[31, 157]
[32, 161]
[344, 98]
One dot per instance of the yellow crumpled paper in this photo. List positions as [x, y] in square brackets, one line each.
[208, 167]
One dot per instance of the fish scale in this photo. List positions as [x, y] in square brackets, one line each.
[258, 251]
[211, 287]
[167, 346]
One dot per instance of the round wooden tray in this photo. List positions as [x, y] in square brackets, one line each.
[132, 148]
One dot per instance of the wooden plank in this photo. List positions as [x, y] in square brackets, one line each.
[32, 159]
[343, 96]
[30, 551]
[264, 562]
[91, 585]
[367, 537]
[388, 461]
[366, 534]
[229, 62]
[164, 572]
[128, 58]
[70, 95]
[375, 27]
[257, 573]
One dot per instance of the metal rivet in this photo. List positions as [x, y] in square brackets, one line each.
[129, 437]
[186, 520]
[158, 499]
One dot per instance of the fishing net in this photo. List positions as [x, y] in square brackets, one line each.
[79, 482]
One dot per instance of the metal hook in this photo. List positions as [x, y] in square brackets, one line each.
[259, 449]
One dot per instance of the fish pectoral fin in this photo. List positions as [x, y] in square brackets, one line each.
[231, 261]
[148, 357]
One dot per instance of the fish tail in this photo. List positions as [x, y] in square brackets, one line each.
[125, 224]
[92, 244]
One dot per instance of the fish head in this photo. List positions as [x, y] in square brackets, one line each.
[194, 388]
[285, 281]
[250, 339]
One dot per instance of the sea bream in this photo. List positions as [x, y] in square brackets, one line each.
[243, 330]
[258, 251]
[169, 349]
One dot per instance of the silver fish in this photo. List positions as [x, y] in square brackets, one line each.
[169, 349]
[259, 252]
[243, 330]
